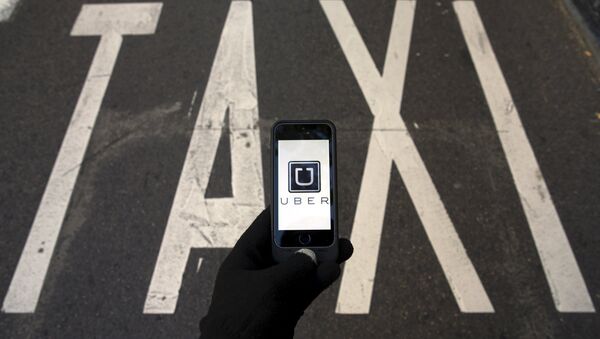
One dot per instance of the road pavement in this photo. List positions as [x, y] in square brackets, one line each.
[135, 150]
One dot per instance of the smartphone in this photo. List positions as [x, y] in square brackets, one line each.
[304, 189]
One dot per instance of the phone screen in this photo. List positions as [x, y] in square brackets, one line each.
[304, 201]
[304, 184]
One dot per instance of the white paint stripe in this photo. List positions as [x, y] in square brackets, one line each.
[124, 19]
[31, 270]
[199, 265]
[7, 8]
[390, 141]
[566, 282]
[197, 222]
[358, 277]
[26, 285]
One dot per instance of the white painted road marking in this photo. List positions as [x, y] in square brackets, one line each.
[197, 222]
[391, 143]
[109, 21]
[562, 272]
[7, 8]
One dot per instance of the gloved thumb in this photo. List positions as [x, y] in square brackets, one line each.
[327, 273]
[295, 269]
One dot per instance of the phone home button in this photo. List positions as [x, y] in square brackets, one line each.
[304, 239]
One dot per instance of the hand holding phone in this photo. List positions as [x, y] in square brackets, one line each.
[255, 297]
[304, 189]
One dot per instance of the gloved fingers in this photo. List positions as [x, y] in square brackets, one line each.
[313, 279]
[345, 250]
[253, 250]
[309, 288]
[327, 273]
[302, 286]
[290, 274]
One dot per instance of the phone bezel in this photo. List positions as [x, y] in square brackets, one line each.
[304, 130]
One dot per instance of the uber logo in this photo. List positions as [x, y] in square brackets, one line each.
[304, 176]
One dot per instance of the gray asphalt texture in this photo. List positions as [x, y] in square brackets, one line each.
[109, 242]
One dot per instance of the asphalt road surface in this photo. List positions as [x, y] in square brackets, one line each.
[134, 148]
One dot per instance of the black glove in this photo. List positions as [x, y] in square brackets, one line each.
[254, 297]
